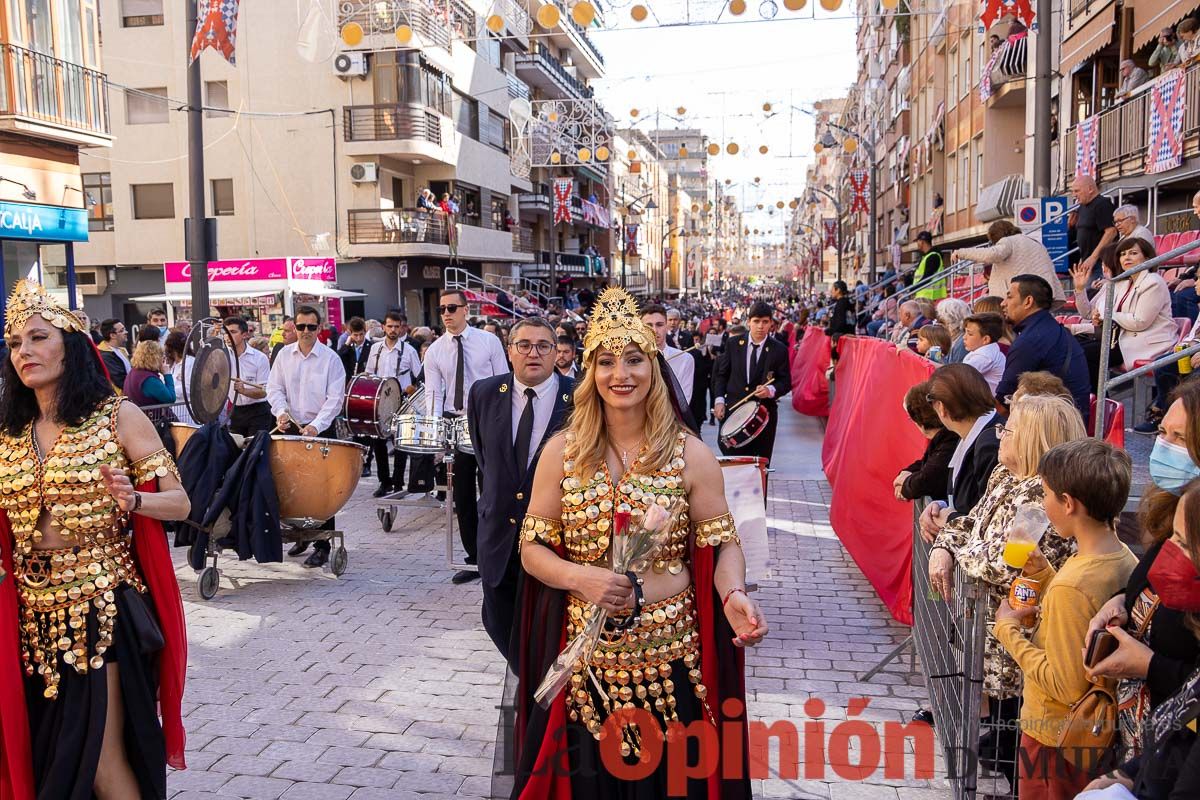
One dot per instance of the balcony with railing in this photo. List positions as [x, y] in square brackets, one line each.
[522, 239]
[575, 265]
[540, 69]
[580, 33]
[1004, 74]
[397, 226]
[1122, 137]
[382, 17]
[377, 123]
[41, 95]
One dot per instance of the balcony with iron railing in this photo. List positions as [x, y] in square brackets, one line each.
[574, 265]
[428, 21]
[1122, 137]
[593, 51]
[1007, 75]
[41, 95]
[522, 238]
[397, 226]
[541, 69]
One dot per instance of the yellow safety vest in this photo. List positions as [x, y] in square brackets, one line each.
[935, 290]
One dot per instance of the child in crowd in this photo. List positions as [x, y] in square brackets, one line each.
[1086, 483]
[981, 337]
[932, 336]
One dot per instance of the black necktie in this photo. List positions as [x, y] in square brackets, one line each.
[753, 362]
[458, 375]
[525, 432]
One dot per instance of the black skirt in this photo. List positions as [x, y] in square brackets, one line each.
[67, 733]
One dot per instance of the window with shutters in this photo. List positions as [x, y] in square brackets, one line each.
[153, 200]
[146, 106]
[141, 13]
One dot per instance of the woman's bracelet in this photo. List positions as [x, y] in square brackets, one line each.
[731, 593]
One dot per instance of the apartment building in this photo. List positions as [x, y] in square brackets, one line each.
[730, 239]
[1096, 37]
[641, 194]
[692, 193]
[326, 172]
[823, 178]
[52, 103]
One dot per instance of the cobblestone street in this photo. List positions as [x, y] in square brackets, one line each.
[383, 684]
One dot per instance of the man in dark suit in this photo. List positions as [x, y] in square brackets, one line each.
[753, 363]
[355, 351]
[510, 418]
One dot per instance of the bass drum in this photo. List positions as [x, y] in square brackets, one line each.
[370, 402]
[300, 463]
[744, 424]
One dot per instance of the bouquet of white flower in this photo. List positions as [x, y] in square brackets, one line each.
[633, 548]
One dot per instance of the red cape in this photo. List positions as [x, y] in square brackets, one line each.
[154, 563]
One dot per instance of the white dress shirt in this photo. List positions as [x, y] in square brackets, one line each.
[543, 409]
[309, 388]
[400, 362]
[253, 367]
[483, 357]
[684, 367]
[181, 373]
[990, 361]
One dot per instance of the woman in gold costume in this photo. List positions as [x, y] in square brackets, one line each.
[680, 661]
[92, 645]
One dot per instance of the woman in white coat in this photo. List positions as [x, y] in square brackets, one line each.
[1142, 324]
[1012, 253]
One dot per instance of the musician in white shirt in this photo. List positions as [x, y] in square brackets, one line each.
[306, 388]
[680, 362]
[452, 365]
[392, 357]
[248, 392]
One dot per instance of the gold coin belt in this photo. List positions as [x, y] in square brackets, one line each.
[635, 666]
[588, 507]
[57, 590]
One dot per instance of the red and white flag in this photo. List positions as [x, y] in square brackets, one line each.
[1167, 104]
[562, 199]
[1085, 145]
[858, 185]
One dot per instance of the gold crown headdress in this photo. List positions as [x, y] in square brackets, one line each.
[30, 297]
[615, 323]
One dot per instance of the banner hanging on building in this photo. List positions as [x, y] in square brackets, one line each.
[216, 27]
[562, 199]
[1167, 104]
[858, 185]
[830, 232]
[631, 232]
[994, 10]
[1085, 145]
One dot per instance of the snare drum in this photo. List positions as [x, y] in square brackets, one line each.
[370, 403]
[744, 424]
[299, 463]
[421, 434]
[462, 436]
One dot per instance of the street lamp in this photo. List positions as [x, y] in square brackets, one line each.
[624, 220]
[837, 208]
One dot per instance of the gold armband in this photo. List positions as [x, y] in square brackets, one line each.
[717, 531]
[541, 529]
[158, 464]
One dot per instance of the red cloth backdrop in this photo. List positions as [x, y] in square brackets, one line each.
[810, 387]
[869, 439]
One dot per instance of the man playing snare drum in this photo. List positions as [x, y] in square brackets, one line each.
[305, 390]
[757, 365]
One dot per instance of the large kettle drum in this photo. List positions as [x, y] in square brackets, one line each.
[314, 477]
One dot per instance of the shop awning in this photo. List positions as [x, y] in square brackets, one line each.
[1089, 39]
[177, 297]
[1151, 16]
[328, 293]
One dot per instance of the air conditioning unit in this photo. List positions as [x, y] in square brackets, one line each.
[350, 65]
[364, 172]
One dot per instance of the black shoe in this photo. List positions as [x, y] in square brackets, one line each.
[382, 490]
[464, 576]
[366, 473]
[1150, 426]
[298, 548]
[316, 559]
[924, 715]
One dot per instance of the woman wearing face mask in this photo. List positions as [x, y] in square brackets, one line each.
[1168, 764]
[1156, 650]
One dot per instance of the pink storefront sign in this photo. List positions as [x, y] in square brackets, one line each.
[313, 269]
[238, 269]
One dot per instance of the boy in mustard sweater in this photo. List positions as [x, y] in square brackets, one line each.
[1086, 485]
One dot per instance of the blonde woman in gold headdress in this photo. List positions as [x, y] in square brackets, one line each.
[624, 450]
[92, 640]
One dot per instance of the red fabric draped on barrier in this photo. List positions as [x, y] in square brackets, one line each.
[869, 439]
[810, 387]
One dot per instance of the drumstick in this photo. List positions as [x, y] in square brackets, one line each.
[681, 352]
[251, 385]
[747, 397]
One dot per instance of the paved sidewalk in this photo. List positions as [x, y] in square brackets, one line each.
[382, 684]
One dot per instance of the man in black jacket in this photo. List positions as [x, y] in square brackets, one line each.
[841, 318]
[510, 417]
[354, 353]
[757, 364]
[112, 351]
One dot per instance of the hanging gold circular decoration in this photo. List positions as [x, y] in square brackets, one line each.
[760, 206]
[555, 157]
[602, 153]
[794, 5]
[818, 147]
[757, 179]
[732, 148]
[631, 155]
[548, 16]
[681, 110]
[831, 5]
[639, 13]
[695, 207]
[850, 145]
[552, 116]
[779, 204]
[728, 181]
[763, 149]
[714, 149]
[404, 34]
[737, 7]
[889, 4]
[352, 34]
[767, 107]
[708, 206]
[794, 204]
[583, 13]
[584, 154]
[495, 23]
[633, 112]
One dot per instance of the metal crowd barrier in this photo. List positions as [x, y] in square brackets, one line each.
[949, 637]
